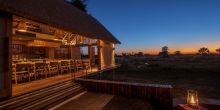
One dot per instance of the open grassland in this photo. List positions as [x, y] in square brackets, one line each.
[202, 74]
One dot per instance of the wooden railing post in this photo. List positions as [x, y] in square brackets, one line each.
[100, 76]
[99, 55]
[86, 73]
[5, 54]
[113, 74]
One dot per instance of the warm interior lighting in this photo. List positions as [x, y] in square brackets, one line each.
[22, 30]
[192, 98]
[69, 39]
[22, 26]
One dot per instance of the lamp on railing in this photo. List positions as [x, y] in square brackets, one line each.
[192, 98]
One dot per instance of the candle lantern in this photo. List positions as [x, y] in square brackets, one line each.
[192, 98]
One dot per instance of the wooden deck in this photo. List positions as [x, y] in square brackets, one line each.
[99, 101]
[159, 96]
[18, 89]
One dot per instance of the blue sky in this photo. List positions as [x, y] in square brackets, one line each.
[147, 25]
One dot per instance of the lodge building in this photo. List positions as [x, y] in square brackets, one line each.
[47, 49]
[45, 38]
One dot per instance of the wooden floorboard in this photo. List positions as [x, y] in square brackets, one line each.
[99, 101]
[18, 89]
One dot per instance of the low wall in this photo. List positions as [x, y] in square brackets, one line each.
[160, 96]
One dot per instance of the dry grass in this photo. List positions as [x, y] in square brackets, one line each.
[202, 75]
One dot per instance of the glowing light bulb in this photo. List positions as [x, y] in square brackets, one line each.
[192, 100]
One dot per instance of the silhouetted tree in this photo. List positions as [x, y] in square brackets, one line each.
[116, 55]
[165, 49]
[177, 52]
[203, 51]
[164, 52]
[124, 54]
[80, 4]
[139, 54]
[218, 50]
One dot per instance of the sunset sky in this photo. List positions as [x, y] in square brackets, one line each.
[147, 25]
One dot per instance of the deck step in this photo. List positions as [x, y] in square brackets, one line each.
[44, 98]
[32, 94]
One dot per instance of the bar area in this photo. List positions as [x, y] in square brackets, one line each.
[41, 48]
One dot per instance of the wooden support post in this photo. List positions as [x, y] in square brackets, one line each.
[86, 73]
[75, 52]
[99, 55]
[90, 56]
[69, 52]
[113, 74]
[5, 54]
[89, 51]
[100, 77]
[50, 52]
[74, 76]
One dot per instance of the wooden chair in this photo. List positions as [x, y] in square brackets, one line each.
[20, 72]
[64, 66]
[87, 65]
[79, 65]
[15, 77]
[54, 68]
[31, 71]
[72, 66]
[41, 69]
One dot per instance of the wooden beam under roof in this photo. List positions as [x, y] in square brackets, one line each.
[34, 30]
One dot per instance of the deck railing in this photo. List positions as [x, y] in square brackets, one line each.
[160, 96]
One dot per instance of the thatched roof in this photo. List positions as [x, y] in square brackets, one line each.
[59, 14]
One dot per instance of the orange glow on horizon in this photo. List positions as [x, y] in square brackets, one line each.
[184, 49]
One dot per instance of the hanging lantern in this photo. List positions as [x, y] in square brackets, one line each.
[22, 26]
[192, 98]
[80, 40]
